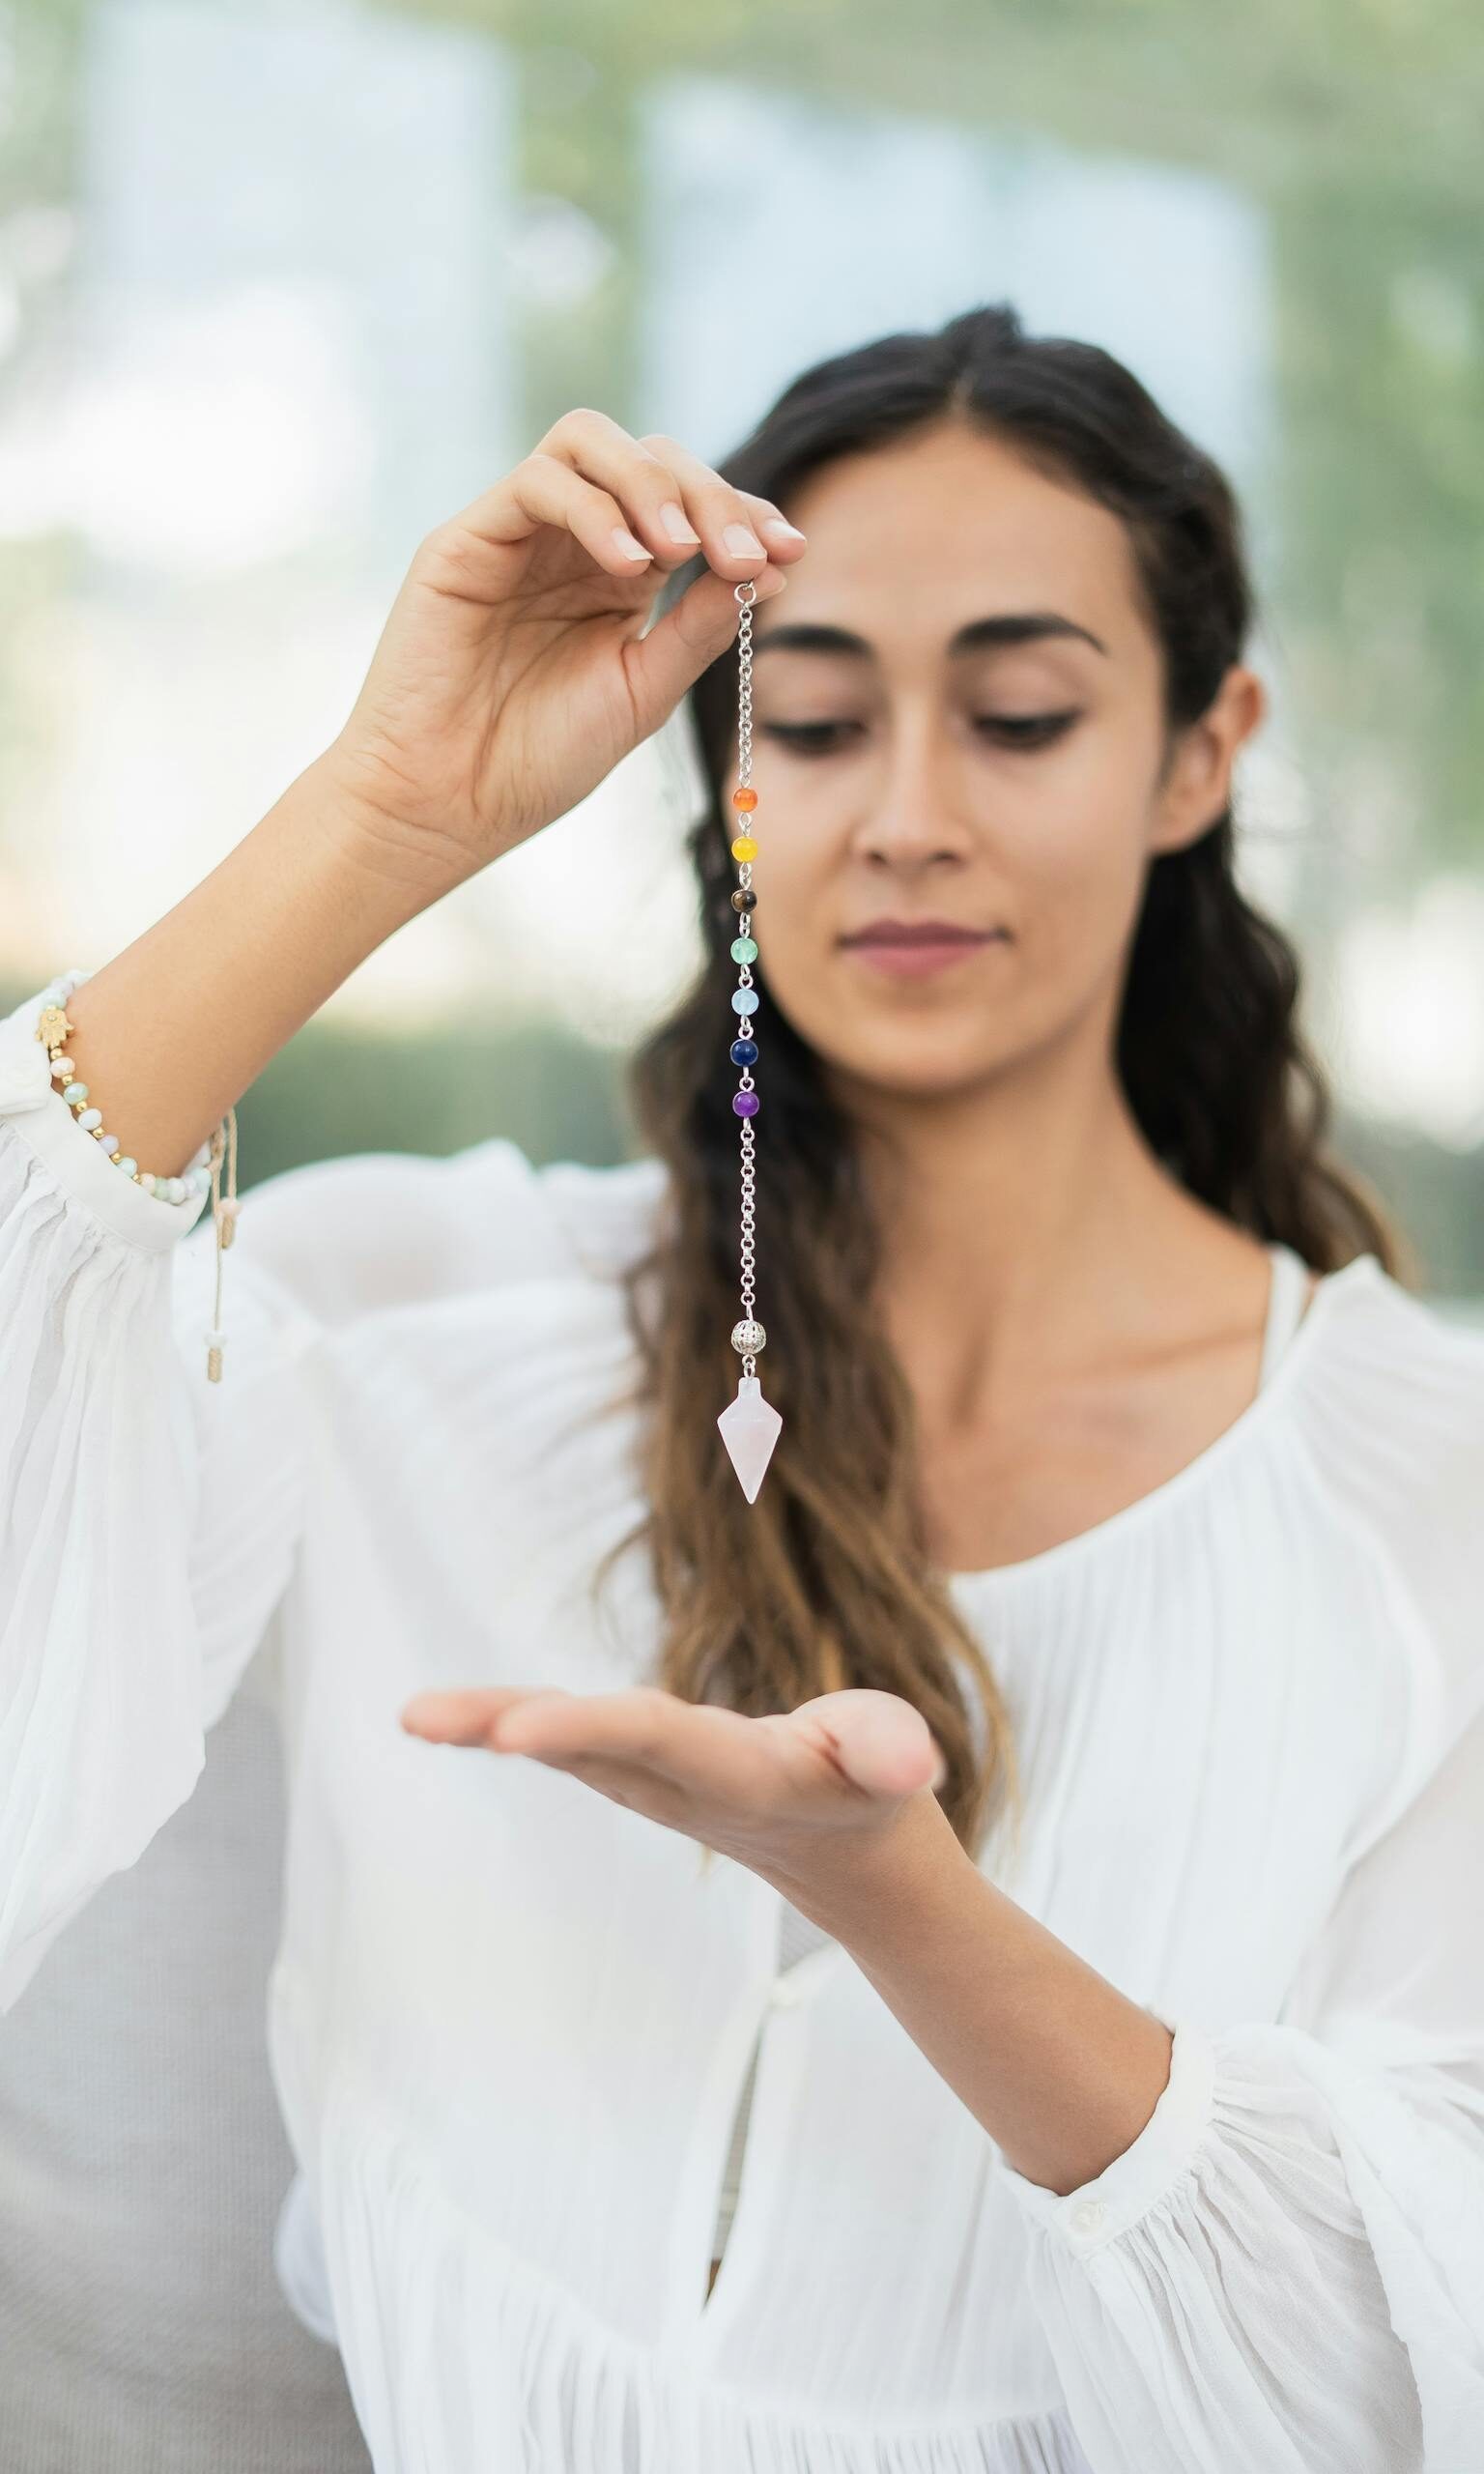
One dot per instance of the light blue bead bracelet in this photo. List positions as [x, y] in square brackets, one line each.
[54, 1028]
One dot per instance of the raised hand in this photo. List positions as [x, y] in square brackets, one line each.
[514, 671]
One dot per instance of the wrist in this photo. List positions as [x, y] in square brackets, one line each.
[358, 806]
[851, 1882]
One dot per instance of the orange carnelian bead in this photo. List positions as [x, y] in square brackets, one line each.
[744, 847]
[744, 798]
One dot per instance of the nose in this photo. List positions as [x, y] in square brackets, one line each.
[915, 812]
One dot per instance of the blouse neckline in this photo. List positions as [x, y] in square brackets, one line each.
[1248, 1422]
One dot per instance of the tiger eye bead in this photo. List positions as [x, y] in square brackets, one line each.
[744, 898]
[744, 847]
[744, 799]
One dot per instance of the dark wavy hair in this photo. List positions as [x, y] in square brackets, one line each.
[825, 1581]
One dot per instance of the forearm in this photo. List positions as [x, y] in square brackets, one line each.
[1063, 2070]
[169, 1034]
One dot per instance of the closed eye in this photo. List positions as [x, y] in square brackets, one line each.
[1010, 729]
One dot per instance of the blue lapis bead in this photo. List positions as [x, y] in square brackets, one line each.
[743, 1052]
[744, 1000]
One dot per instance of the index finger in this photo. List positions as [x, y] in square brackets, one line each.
[713, 503]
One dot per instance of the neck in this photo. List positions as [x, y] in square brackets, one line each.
[1022, 1217]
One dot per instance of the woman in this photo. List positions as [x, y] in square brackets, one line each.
[1124, 1497]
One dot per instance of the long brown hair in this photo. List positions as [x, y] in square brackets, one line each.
[825, 1580]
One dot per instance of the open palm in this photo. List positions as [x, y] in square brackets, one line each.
[760, 1789]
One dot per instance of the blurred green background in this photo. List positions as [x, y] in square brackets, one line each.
[281, 286]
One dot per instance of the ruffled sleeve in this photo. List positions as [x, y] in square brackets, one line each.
[1284, 2272]
[149, 1518]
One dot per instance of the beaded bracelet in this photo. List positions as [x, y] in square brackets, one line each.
[203, 1173]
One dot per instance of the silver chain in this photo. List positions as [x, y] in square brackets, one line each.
[745, 872]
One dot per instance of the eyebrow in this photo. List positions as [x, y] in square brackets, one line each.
[1005, 628]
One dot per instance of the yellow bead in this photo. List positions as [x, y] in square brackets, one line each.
[744, 847]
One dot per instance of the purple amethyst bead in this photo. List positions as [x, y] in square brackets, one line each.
[744, 1104]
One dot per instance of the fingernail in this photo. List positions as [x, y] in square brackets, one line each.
[676, 523]
[626, 543]
[781, 524]
[742, 541]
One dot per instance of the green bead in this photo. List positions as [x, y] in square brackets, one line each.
[743, 950]
[76, 1093]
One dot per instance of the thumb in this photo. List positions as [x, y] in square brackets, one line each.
[691, 634]
[880, 1741]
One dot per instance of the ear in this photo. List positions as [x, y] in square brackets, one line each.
[1198, 784]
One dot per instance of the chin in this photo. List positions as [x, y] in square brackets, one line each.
[883, 1059]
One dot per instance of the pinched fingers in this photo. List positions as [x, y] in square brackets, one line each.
[631, 502]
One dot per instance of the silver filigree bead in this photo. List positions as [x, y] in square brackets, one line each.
[747, 1338]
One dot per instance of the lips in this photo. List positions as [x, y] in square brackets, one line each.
[923, 933]
[913, 954]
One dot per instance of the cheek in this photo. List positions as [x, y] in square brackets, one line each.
[798, 897]
[1076, 873]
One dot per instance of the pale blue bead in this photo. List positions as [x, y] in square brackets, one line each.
[745, 1001]
[128, 1167]
[76, 1091]
[88, 1118]
[177, 1189]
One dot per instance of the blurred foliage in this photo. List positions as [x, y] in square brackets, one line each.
[1436, 1194]
[333, 1090]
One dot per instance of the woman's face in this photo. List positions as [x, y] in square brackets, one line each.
[956, 714]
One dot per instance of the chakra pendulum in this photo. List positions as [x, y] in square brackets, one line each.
[749, 1424]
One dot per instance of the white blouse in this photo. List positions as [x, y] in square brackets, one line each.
[511, 2021]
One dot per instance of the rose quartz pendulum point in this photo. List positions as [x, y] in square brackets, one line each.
[750, 1427]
